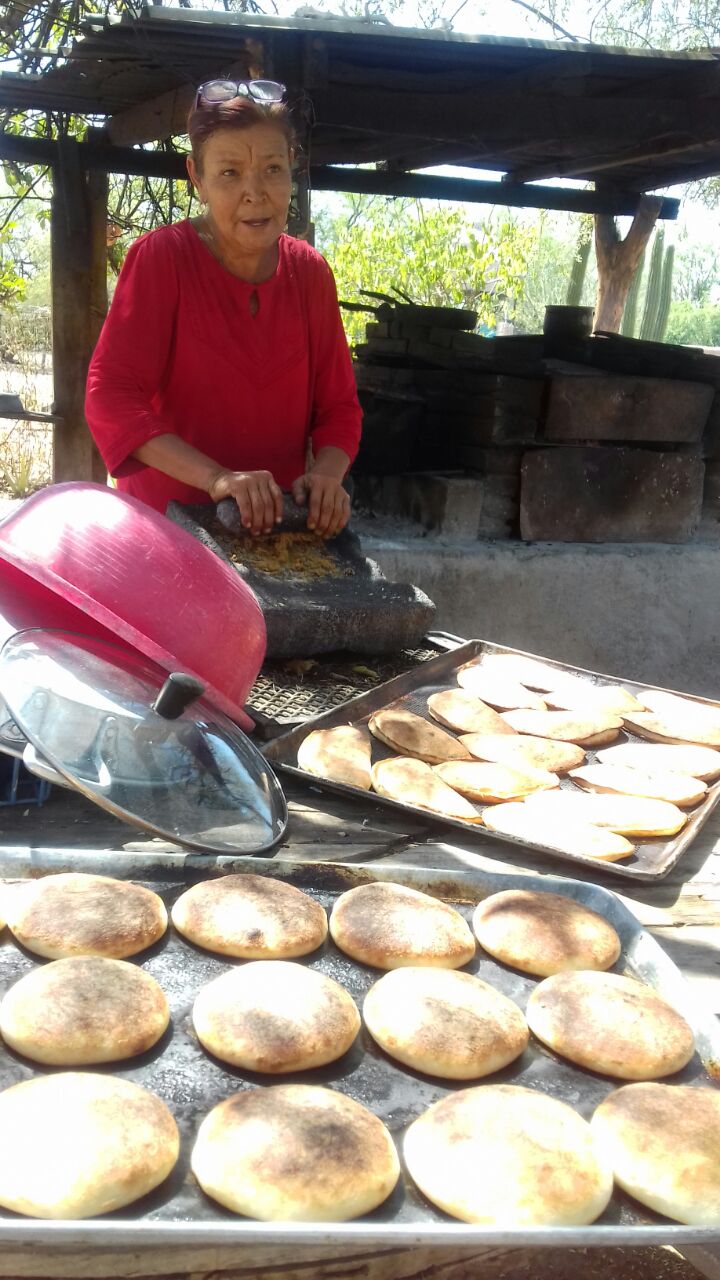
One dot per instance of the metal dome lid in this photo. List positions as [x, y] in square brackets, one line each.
[146, 747]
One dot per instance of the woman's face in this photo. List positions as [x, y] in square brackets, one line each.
[246, 182]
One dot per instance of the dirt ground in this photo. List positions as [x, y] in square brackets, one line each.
[580, 1264]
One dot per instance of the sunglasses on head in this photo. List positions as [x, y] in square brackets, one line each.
[214, 91]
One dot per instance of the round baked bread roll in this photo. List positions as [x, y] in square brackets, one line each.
[465, 713]
[522, 750]
[250, 916]
[392, 927]
[74, 914]
[275, 1016]
[673, 727]
[485, 783]
[586, 697]
[76, 1145]
[534, 673]
[625, 815]
[554, 831]
[444, 1023]
[610, 1024]
[82, 1010]
[497, 691]
[342, 754]
[505, 1156]
[663, 1143]
[613, 779]
[414, 782]
[412, 735]
[544, 933]
[295, 1153]
[586, 729]
[663, 703]
[699, 762]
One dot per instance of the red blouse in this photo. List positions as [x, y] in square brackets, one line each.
[181, 352]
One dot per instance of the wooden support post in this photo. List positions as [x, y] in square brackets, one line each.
[618, 260]
[78, 235]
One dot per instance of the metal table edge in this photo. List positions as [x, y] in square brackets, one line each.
[246, 1233]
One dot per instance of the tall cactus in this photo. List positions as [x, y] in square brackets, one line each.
[665, 293]
[580, 262]
[629, 320]
[649, 323]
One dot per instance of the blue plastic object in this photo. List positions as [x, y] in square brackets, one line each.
[18, 785]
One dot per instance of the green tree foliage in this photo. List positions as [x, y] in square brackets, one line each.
[431, 251]
[696, 271]
[549, 270]
[12, 284]
[580, 261]
[693, 325]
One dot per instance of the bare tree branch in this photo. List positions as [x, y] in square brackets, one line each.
[544, 17]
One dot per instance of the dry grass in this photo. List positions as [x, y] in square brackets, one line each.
[25, 458]
[25, 371]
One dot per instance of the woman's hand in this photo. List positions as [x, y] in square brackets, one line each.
[321, 490]
[258, 496]
[327, 502]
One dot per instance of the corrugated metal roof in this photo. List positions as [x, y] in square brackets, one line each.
[409, 99]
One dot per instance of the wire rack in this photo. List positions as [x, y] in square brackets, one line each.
[290, 692]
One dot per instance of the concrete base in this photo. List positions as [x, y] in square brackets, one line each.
[643, 612]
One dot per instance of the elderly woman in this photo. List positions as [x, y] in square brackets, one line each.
[222, 369]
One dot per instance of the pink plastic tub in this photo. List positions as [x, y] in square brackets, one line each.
[141, 579]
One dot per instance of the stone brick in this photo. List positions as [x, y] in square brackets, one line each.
[491, 461]
[381, 377]
[711, 438]
[521, 396]
[616, 407]
[387, 346]
[393, 432]
[451, 505]
[712, 478]
[445, 504]
[499, 506]
[492, 427]
[409, 329]
[609, 495]
[433, 354]
[441, 337]
[468, 342]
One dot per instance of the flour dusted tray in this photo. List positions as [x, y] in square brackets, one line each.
[652, 860]
[177, 1228]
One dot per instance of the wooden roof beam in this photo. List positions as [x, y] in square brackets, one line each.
[470, 118]
[430, 187]
[166, 114]
[150, 121]
[168, 164]
[659, 149]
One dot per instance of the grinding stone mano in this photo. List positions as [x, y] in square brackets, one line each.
[360, 611]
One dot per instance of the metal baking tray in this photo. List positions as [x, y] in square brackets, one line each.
[652, 860]
[178, 1215]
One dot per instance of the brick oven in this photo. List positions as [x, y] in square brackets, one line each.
[527, 437]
